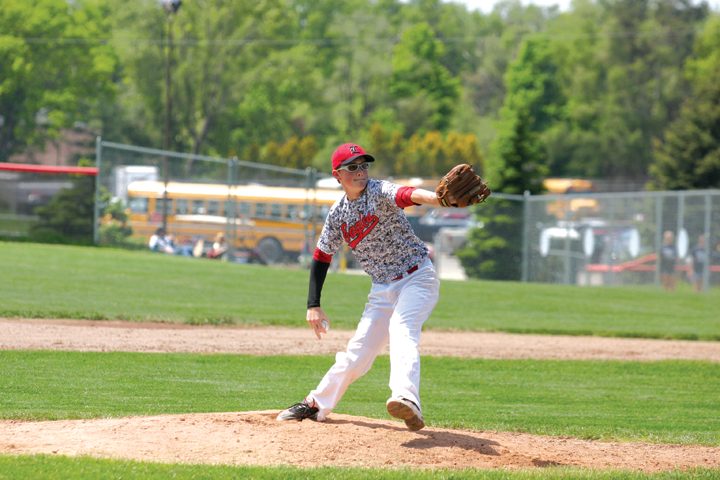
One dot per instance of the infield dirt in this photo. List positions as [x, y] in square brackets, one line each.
[256, 438]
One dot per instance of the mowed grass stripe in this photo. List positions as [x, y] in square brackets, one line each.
[53, 281]
[32, 467]
[669, 401]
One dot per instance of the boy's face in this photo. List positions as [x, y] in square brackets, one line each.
[353, 182]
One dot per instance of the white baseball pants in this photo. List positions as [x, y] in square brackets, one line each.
[396, 310]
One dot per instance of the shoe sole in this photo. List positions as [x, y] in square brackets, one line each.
[403, 412]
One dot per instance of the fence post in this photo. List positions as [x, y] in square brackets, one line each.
[310, 178]
[525, 237]
[568, 212]
[232, 214]
[681, 213]
[706, 270]
[611, 273]
[96, 211]
[313, 182]
[658, 237]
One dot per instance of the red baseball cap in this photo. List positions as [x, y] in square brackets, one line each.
[348, 152]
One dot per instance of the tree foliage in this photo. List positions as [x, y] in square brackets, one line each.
[49, 77]
[606, 78]
[418, 74]
[533, 103]
[68, 218]
[689, 156]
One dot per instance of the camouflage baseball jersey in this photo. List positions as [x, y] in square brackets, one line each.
[377, 231]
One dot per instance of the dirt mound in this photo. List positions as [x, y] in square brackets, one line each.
[256, 438]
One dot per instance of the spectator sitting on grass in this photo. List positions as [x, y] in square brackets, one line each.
[163, 242]
[219, 247]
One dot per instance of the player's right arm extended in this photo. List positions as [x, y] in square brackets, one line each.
[318, 271]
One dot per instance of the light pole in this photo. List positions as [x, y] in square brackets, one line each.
[171, 7]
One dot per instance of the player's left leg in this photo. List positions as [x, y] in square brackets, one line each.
[417, 297]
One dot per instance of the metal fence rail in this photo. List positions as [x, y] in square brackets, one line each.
[123, 166]
[588, 239]
[616, 238]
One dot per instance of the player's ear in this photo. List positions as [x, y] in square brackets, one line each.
[336, 174]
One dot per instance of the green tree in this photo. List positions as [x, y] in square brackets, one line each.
[689, 156]
[622, 64]
[221, 49]
[418, 74]
[68, 218]
[533, 103]
[51, 65]
[277, 102]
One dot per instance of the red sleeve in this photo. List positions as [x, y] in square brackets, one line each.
[321, 256]
[402, 198]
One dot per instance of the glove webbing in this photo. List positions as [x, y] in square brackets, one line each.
[467, 184]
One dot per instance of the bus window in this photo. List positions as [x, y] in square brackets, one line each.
[260, 210]
[321, 212]
[275, 211]
[138, 205]
[198, 207]
[181, 206]
[229, 207]
[291, 212]
[244, 209]
[213, 207]
[159, 205]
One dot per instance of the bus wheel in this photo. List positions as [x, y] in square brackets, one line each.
[271, 250]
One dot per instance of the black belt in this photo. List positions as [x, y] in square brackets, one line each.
[413, 269]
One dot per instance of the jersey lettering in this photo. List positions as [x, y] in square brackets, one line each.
[359, 230]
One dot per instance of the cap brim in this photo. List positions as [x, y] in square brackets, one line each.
[368, 158]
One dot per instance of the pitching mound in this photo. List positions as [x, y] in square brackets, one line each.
[256, 438]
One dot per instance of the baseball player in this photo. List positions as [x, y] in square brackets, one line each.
[405, 286]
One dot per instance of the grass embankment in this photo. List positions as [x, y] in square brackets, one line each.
[51, 281]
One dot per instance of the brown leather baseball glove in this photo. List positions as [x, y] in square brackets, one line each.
[461, 187]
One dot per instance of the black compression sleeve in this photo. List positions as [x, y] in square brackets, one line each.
[318, 272]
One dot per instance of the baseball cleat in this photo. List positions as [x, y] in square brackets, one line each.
[406, 410]
[299, 411]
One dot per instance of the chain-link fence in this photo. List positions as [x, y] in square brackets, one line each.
[259, 213]
[659, 238]
[47, 203]
[206, 206]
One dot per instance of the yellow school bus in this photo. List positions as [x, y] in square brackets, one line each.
[576, 206]
[276, 220]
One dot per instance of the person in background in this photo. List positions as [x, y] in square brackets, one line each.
[668, 260]
[698, 259]
[163, 242]
[220, 246]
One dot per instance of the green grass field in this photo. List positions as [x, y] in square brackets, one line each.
[49, 467]
[52, 281]
[669, 401]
